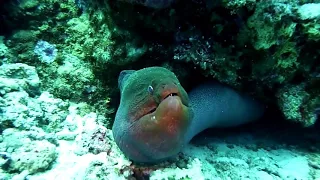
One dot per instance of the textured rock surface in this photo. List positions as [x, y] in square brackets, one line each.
[27, 154]
[19, 77]
[19, 102]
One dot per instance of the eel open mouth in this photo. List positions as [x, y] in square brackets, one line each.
[168, 96]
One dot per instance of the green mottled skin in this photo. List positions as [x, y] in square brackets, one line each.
[155, 118]
[147, 126]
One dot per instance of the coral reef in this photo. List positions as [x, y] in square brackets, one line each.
[153, 3]
[26, 154]
[3, 48]
[297, 105]
[18, 77]
[40, 132]
[19, 106]
[309, 14]
[69, 79]
[60, 60]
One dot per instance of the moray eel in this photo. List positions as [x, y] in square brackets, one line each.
[156, 117]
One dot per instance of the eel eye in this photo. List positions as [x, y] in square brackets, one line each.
[150, 89]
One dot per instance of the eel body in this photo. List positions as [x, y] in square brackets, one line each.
[219, 106]
[156, 117]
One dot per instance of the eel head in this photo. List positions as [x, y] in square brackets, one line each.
[153, 115]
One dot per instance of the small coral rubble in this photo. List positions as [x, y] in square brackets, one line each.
[27, 154]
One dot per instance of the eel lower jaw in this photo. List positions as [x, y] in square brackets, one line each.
[172, 115]
[171, 103]
[161, 134]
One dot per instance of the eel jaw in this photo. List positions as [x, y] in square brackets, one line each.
[160, 134]
[170, 115]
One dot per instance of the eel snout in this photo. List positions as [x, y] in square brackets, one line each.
[162, 130]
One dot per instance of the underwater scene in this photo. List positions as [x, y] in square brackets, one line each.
[159, 89]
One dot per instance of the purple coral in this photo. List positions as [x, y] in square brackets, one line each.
[46, 51]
